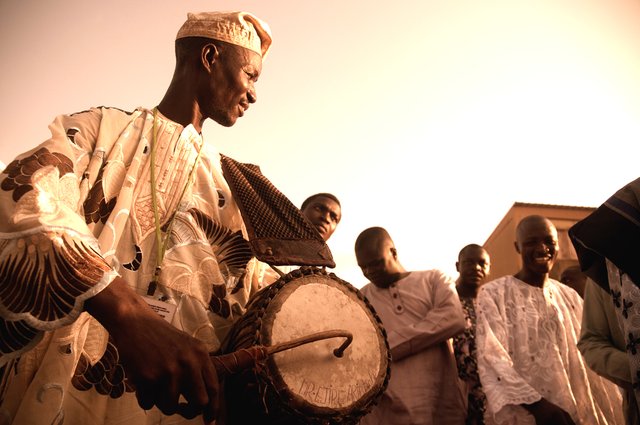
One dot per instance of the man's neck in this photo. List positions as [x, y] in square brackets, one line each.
[467, 290]
[402, 275]
[393, 280]
[179, 105]
[533, 279]
[182, 115]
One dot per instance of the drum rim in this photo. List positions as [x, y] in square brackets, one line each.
[270, 377]
[267, 395]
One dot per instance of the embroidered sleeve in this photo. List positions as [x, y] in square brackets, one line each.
[601, 342]
[49, 260]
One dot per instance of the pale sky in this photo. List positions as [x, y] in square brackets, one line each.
[427, 117]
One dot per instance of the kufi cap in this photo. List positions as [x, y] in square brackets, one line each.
[240, 28]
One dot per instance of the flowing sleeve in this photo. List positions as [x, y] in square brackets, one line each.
[598, 337]
[50, 262]
[505, 388]
[443, 321]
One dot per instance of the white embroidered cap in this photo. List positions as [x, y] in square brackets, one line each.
[240, 28]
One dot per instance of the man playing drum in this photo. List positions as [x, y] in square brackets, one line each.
[117, 217]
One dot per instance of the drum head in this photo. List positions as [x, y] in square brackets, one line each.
[311, 375]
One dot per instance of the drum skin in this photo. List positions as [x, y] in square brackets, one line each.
[308, 384]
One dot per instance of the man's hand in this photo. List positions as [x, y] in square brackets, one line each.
[547, 413]
[160, 361]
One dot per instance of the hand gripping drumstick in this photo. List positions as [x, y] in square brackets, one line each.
[245, 358]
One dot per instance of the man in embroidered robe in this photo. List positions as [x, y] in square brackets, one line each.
[120, 216]
[528, 327]
[473, 266]
[420, 312]
[608, 246]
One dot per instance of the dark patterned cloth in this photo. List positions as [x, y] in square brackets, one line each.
[613, 232]
[464, 345]
[278, 232]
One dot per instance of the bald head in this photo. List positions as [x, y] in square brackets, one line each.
[378, 258]
[530, 222]
[371, 236]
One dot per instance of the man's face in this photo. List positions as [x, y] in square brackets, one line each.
[325, 214]
[473, 266]
[537, 243]
[378, 263]
[229, 88]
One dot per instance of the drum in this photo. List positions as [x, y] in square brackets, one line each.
[309, 384]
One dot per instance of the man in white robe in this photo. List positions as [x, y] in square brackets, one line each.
[527, 334]
[421, 312]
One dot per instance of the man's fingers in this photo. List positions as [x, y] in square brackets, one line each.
[195, 392]
[145, 397]
[191, 409]
[213, 391]
[185, 370]
[167, 400]
[201, 393]
[161, 393]
[188, 410]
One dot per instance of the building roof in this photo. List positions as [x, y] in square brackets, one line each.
[534, 205]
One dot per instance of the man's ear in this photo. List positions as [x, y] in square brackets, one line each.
[515, 244]
[394, 252]
[209, 55]
[458, 266]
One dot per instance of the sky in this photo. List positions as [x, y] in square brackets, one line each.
[428, 117]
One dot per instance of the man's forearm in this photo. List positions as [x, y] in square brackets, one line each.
[115, 304]
[437, 327]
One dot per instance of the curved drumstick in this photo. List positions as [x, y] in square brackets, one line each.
[245, 358]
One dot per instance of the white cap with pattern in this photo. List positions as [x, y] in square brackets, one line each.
[239, 28]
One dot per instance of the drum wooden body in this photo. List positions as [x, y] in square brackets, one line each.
[308, 384]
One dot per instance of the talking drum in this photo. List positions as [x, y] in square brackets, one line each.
[312, 383]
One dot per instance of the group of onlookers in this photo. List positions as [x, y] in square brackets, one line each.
[515, 350]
